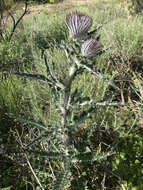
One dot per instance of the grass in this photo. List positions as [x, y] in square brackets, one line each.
[111, 125]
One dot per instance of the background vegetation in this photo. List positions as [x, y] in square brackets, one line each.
[115, 132]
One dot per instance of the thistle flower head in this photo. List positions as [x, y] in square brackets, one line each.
[91, 47]
[78, 25]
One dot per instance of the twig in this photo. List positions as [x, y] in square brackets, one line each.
[28, 162]
[103, 181]
[1, 33]
[39, 77]
[15, 23]
[47, 67]
[98, 74]
[96, 30]
[112, 104]
[54, 177]
[50, 40]
[33, 172]
[56, 81]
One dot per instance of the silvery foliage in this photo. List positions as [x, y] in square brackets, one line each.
[67, 102]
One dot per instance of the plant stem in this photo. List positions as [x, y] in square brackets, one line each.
[65, 108]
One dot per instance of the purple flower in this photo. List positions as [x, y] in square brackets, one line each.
[78, 25]
[91, 47]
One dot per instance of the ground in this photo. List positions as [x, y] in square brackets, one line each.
[66, 4]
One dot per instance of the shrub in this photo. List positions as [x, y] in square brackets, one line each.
[136, 6]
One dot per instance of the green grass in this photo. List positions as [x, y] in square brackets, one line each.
[34, 100]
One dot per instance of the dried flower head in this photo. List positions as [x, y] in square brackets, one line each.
[78, 25]
[91, 47]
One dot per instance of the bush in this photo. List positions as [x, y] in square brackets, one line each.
[135, 6]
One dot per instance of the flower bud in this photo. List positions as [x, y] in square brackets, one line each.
[78, 25]
[91, 47]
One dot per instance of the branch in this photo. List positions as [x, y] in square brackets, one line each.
[12, 17]
[54, 79]
[42, 78]
[48, 67]
[112, 104]
[96, 30]
[34, 174]
[1, 34]
[50, 40]
[16, 23]
[98, 74]
[28, 162]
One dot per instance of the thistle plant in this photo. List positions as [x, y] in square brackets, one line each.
[81, 46]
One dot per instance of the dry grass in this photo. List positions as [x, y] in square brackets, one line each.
[67, 5]
[63, 6]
